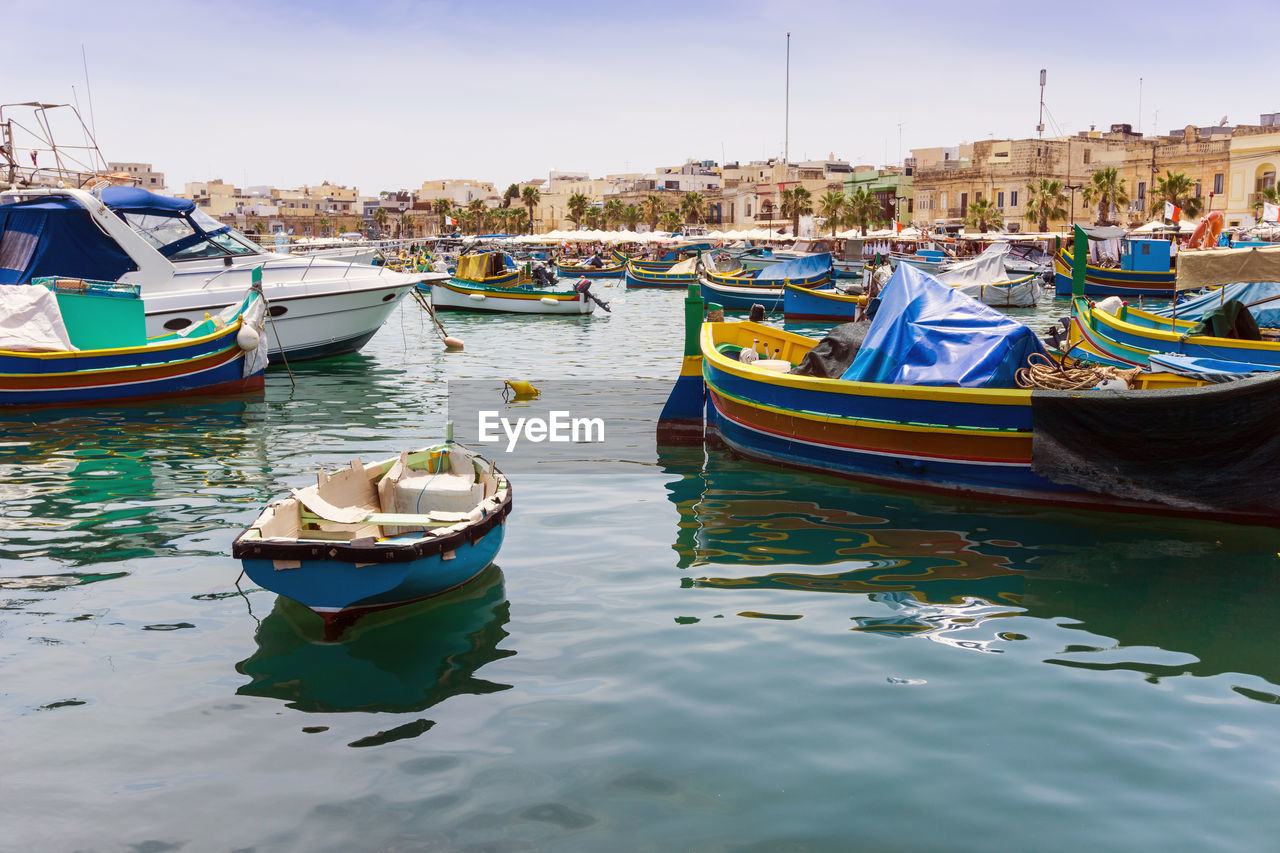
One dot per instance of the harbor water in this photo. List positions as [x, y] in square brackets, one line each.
[680, 650]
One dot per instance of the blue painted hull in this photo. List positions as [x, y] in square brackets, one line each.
[804, 304]
[741, 298]
[333, 586]
[674, 282]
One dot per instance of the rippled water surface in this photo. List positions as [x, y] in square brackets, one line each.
[679, 651]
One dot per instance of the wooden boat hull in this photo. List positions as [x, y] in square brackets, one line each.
[1100, 281]
[589, 272]
[211, 364]
[330, 586]
[741, 297]
[1132, 337]
[636, 277]
[1063, 448]
[462, 296]
[805, 303]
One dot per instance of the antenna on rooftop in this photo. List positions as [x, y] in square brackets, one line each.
[1040, 126]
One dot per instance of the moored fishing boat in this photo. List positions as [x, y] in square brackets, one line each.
[378, 535]
[1144, 266]
[739, 291]
[678, 276]
[457, 295]
[71, 341]
[487, 268]
[588, 271]
[929, 401]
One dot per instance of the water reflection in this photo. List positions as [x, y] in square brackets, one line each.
[83, 486]
[944, 569]
[400, 660]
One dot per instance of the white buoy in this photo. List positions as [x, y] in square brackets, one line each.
[452, 343]
[477, 297]
[247, 338]
[547, 300]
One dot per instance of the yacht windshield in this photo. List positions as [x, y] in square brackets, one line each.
[178, 239]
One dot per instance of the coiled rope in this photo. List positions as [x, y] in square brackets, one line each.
[1044, 374]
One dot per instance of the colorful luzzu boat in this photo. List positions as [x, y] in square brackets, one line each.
[1124, 282]
[1130, 336]
[764, 287]
[458, 295]
[486, 268]
[679, 275]
[1091, 449]
[587, 271]
[379, 535]
[73, 341]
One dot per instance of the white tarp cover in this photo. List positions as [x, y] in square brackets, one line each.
[987, 268]
[689, 265]
[30, 320]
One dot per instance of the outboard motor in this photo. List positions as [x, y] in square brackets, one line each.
[584, 287]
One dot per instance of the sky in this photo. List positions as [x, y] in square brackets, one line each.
[385, 94]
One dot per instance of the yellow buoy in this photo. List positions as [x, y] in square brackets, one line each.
[521, 388]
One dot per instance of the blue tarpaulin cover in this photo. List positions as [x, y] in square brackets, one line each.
[138, 200]
[56, 237]
[926, 333]
[797, 269]
[1267, 314]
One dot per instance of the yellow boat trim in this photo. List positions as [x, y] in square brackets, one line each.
[798, 345]
[872, 423]
[120, 369]
[1175, 338]
[161, 345]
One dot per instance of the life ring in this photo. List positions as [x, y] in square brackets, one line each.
[1207, 232]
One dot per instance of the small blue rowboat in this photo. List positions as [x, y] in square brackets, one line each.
[379, 535]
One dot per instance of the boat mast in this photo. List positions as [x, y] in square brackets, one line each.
[786, 124]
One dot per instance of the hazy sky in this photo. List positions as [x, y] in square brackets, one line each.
[387, 93]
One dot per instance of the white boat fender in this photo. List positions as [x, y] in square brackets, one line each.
[1111, 305]
[477, 297]
[247, 338]
[547, 300]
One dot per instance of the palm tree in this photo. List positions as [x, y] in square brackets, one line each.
[260, 226]
[1179, 189]
[831, 206]
[1267, 195]
[983, 215]
[693, 205]
[863, 209]
[406, 222]
[512, 193]
[531, 196]
[653, 207]
[1045, 201]
[612, 212]
[670, 220]
[631, 216]
[796, 202]
[595, 217]
[442, 207]
[518, 221]
[1105, 189]
[380, 218]
[467, 219]
[578, 204]
[323, 224]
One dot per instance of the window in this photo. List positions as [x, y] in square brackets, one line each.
[1142, 190]
[1000, 199]
[1087, 152]
[1013, 198]
[159, 231]
[1217, 184]
[1197, 189]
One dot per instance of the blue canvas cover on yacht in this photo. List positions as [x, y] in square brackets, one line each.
[927, 333]
[56, 237]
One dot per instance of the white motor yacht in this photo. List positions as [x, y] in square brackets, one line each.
[189, 264]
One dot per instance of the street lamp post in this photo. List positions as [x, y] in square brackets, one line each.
[1073, 188]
